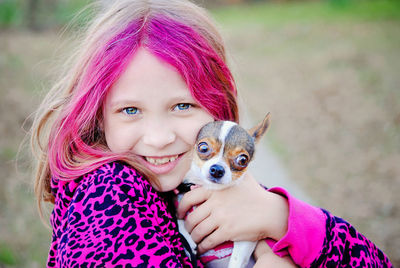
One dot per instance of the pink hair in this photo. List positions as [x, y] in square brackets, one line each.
[76, 131]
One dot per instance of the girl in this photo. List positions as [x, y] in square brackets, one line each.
[114, 139]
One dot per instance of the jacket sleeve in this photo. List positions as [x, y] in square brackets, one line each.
[112, 225]
[315, 238]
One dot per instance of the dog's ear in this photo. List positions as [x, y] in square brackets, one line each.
[259, 130]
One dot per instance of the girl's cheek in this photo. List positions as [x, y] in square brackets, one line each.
[191, 131]
[197, 123]
[121, 138]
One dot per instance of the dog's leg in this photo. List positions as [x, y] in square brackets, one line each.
[241, 254]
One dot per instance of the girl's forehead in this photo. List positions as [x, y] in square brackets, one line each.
[147, 77]
[145, 67]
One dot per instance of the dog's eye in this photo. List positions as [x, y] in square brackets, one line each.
[242, 160]
[203, 148]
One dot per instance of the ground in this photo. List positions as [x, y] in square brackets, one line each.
[331, 88]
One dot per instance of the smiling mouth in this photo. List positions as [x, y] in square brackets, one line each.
[160, 160]
[161, 164]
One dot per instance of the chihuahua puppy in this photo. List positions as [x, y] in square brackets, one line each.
[223, 151]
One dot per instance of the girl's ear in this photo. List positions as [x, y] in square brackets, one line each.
[259, 130]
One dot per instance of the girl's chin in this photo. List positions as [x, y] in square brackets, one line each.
[166, 185]
[170, 181]
[164, 189]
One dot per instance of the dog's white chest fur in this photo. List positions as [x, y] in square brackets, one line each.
[241, 254]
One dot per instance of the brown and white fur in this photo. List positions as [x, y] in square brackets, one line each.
[223, 150]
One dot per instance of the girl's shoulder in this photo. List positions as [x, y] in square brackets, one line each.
[115, 176]
[116, 172]
[111, 180]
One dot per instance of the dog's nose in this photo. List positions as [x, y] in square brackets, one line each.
[217, 171]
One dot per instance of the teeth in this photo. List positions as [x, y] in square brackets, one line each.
[160, 161]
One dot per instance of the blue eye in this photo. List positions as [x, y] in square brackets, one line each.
[130, 110]
[183, 106]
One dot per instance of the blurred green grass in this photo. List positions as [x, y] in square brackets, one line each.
[48, 14]
[10, 13]
[7, 256]
[308, 11]
[13, 13]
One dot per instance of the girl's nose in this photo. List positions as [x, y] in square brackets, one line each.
[158, 134]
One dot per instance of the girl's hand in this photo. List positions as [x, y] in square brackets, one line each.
[266, 258]
[243, 212]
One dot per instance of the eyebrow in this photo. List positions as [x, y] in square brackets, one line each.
[124, 103]
[132, 102]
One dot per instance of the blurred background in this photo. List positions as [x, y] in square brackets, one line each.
[328, 71]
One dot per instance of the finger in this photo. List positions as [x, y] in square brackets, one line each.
[196, 216]
[212, 240]
[203, 229]
[190, 199]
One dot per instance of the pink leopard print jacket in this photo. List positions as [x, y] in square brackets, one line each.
[112, 217]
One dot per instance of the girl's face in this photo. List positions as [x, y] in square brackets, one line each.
[150, 112]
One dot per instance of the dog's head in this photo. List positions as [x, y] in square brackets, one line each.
[223, 151]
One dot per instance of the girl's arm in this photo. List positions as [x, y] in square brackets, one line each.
[316, 238]
[112, 220]
[311, 236]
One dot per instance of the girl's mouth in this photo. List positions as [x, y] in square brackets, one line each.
[161, 165]
[160, 161]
